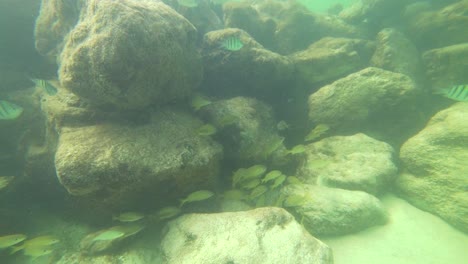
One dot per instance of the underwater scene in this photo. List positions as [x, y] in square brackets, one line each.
[233, 131]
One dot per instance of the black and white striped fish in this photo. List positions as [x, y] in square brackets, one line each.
[456, 92]
[9, 111]
[46, 85]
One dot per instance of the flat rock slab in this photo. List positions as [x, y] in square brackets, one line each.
[261, 236]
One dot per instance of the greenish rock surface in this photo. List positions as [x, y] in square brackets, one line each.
[124, 164]
[356, 162]
[137, 256]
[439, 28]
[358, 98]
[130, 54]
[249, 71]
[447, 66]
[331, 58]
[261, 236]
[436, 176]
[251, 136]
[332, 211]
[395, 52]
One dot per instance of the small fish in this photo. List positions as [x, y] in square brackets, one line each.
[227, 120]
[37, 251]
[293, 180]
[317, 132]
[278, 181]
[108, 234]
[46, 85]
[41, 241]
[188, 3]
[272, 146]
[196, 196]
[168, 212]
[247, 174]
[297, 150]
[282, 125]
[271, 176]
[128, 230]
[5, 181]
[128, 217]
[199, 101]
[295, 200]
[234, 194]
[251, 184]
[259, 190]
[11, 240]
[9, 111]
[457, 93]
[206, 130]
[232, 43]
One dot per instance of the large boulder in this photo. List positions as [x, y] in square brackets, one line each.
[447, 66]
[436, 178]
[260, 236]
[331, 58]
[439, 28]
[130, 54]
[250, 71]
[356, 99]
[395, 52]
[355, 162]
[247, 131]
[329, 211]
[123, 163]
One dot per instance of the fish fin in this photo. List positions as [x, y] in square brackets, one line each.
[16, 249]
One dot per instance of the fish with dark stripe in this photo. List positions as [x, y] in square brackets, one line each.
[456, 92]
[9, 111]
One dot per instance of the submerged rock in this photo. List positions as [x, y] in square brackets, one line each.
[261, 236]
[439, 28]
[447, 66]
[249, 71]
[127, 163]
[331, 211]
[248, 131]
[130, 54]
[395, 52]
[355, 162]
[435, 160]
[359, 97]
[331, 58]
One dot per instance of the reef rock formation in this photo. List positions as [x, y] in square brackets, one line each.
[447, 66]
[435, 160]
[331, 58]
[355, 162]
[264, 235]
[130, 54]
[250, 71]
[123, 163]
[331, 211]
[357, 98]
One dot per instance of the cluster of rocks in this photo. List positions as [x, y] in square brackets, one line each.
[123, 134]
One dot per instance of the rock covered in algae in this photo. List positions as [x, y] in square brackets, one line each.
[331, 58]
[249, 71]
[395, 52]
[356, 162]
[332, 211]
[435, 160]
[123, 163]
[130, 54]
[256, 236]
[447, 66]
[359, 97]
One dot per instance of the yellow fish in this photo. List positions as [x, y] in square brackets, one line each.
[168, 212]
[196, 196]
[206, 130]
[128, 217]
[317, 132]
[41, 241]
[109, 234]
[11, 240]
[199, 101]
[5, 181]
[37, 251]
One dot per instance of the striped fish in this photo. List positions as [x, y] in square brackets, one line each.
[232, 43]
[457, 93]
[9, 111]
[46, 85]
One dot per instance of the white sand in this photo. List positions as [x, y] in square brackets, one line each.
[411, 236]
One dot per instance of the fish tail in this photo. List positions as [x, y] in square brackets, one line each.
[15, 249]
